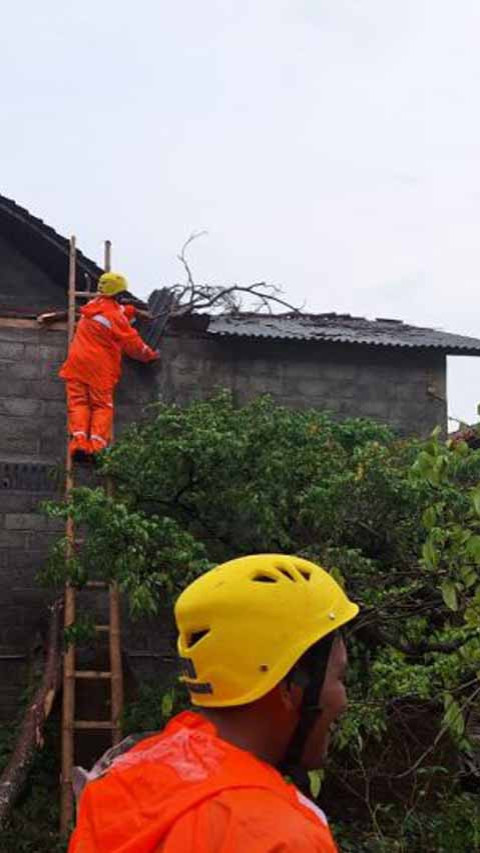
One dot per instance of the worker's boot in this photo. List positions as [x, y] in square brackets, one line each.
[79, 448]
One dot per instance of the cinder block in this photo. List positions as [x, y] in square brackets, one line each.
[15, 501]
[12, 386]
[20, 407]
[18, 436]
[51, 389]
[6, 366]
[53, 446]
[14, 635]
[23, 563]
[411, 392]
[56, 410]
[53, 351]
[11, 350]
[13, 539]
[33, 598]
[25, 521]
[43, 539]
[26, 369]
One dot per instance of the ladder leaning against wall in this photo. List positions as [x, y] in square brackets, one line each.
[70, 725]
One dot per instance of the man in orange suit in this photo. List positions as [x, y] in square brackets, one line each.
[264, 661]
[93, 366]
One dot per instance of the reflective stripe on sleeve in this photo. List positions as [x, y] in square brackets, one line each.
[315, 809]
[104, 321]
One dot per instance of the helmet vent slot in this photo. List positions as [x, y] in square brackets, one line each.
[304, 573]
[264, 579]
[287, 574]
[196, 636]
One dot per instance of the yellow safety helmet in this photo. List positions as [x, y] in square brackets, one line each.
[111, 283]
[243, 625]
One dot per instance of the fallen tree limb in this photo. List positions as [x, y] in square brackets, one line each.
[30, 737]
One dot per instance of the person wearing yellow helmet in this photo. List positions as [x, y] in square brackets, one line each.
[111, 284]
[264, 663]
[93, 365]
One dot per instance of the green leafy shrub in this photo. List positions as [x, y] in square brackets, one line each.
[398, 522]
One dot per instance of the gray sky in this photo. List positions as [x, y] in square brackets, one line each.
[329, 146]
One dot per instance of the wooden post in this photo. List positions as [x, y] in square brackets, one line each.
[116, 669]
[71, 289]
[107, 263]
[68, 707]
[116, 664]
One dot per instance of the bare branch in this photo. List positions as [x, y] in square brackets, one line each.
[207, 297]
[182, 257]
[192, 297]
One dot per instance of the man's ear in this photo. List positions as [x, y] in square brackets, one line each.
[291, 694]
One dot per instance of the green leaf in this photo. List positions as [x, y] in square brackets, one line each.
[449, 594]
[473, 548]
[316, 778]
[167, 704]
[337, 576]
[430, 554]
[469, 576]
[429, 517]
[453, 717]
[475, 496]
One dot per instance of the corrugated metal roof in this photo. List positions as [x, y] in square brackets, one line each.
[341, 328]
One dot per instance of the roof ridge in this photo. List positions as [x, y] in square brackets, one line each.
[15, 211]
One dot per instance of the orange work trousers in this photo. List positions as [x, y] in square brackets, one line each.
[90, 412]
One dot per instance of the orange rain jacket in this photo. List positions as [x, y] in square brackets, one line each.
[103, 334]
[187, 791]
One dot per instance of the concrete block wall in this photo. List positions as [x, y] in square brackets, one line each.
[403, 388]
[32, 452]
[394, 386]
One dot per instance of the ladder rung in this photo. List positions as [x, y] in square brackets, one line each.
[102, 627]
[96, 585]
[88, 724]
[92, 673]
[86, 293]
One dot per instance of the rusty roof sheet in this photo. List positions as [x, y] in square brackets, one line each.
[341, 328]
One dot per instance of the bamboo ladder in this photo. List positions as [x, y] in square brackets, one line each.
[70, 673]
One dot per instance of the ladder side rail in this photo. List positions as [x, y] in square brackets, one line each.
[68, 704]
[116, 669]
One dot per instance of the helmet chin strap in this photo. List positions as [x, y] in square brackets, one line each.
[311, 670]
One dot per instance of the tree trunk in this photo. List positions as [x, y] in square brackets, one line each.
[30, 735]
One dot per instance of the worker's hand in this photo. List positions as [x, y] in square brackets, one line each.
[156, 355]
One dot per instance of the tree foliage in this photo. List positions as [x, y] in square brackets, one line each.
[398, 522]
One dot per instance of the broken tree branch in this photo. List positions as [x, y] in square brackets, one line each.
[193, 297]
[30, 737]
[183, 259]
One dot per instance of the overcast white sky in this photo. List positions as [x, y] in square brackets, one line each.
[329, 146]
